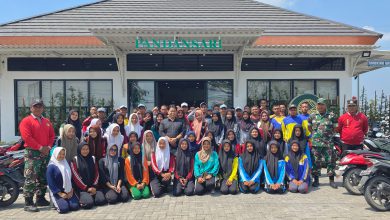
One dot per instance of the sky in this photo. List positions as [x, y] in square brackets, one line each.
[369, 14]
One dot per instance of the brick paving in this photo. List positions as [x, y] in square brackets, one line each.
[321, 203]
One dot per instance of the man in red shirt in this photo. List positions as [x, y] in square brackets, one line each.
[38, 135]
[352, 126]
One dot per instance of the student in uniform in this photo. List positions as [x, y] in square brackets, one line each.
[184, 178]
[237, 147]
[274, 169]
[255, 137]
[163, 165]
[68, 141]
[297, 169]
[206, 167]
[59, 179]
[250, 168]
[228, 168]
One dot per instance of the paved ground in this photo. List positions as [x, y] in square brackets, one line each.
[321, 203]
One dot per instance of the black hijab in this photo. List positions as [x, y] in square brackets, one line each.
[226, 160]
[183, 159]
[135, 133]
[156, 123]
[282, 144]
[85, 165]
[148, 125]
[295, 157]
[250, 160]
[302, 139]
[233, 142]
[272, 159]
[121, 126]
[229, 123]
[76, 124]
[136, 162]
[216, 127]
[258, 142]
[247, 124]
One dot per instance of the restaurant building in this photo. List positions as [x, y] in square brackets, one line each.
[116, 52]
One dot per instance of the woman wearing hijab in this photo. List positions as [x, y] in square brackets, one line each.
[255, 137]
[277, 135]
[231, 137]
[206, 167]
[194, 146]
[265, 126]
[59, 180]
[96, 142]
[250, 169]
[274, 169]
[184, 180]
[148, 145]
[85, 175]
[228, 168]
[299, 135]
[133, 138]
[137, 172]
[95, 122]
[68, 141]
[113, 136]
[134, 125]
[214, 145]
[120, 120]
[148, 120]
[297, 169]
[245, 126]
[73, 119]
[111, 170]
[216, 127]
[156, 127]
[231, 122]
[199, 125]
[163, 165]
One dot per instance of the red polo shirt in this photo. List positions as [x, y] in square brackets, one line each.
[36, 134]
[352, 128]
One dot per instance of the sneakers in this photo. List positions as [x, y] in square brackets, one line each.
[316, 182]
[29, 205]
[332, 183]
[41, 201]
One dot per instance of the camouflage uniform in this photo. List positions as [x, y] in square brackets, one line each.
[322, 141]
[35, 172]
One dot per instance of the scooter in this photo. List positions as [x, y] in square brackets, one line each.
[375, 184]
[11, 177]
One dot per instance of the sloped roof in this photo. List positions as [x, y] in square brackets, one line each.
[184, 14]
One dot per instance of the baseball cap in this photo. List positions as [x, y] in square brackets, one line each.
[123, 106]
[36, 102]
[351, 102]
[321, 101]
[292, 106]
[223, 106]
[101, 110]
[141, 106]
[203, 103]
[238, 108]
[184, 104]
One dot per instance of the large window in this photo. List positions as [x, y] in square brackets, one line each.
[293, 64]
[220, 92]
[141, 92]
[60, 96]
[285, 90]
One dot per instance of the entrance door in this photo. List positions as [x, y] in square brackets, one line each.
[176, 92]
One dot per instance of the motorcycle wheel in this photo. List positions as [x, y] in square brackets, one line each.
[10, 191]
[351, 181]
[375, 196]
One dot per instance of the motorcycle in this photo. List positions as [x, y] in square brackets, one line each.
[375, 184]
[11, 177]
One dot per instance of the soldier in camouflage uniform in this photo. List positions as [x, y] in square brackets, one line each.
[322, 125]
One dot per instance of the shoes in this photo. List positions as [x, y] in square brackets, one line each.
[29, 205]
[41, 201]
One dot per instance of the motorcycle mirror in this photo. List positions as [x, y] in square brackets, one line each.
[378, 135]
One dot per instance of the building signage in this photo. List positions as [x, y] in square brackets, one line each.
[309, 98]
[379, 63]
[153, 43]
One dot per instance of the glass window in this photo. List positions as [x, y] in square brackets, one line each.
[101, 93]
[281, 91]
[76, 94]
[26, 92]
[257, 90]
[141, 92]
[220, 92]
[328, 89]
[303, 87]
[54, 99]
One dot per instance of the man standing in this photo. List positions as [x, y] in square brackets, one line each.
[323, 125]
[172, 128]
[184, 106]
[164, 110]
[277, 118]
[304, 111]
[282, 109]
[102, 117]
[263, 105]
[255, 114]
[92, 114]
[238, 114]
[223, 111]
[352, 126]
[38, 135]
[290, 121]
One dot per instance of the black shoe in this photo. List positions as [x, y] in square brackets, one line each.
[332, 183]
[29, 205]
[316, 182]
[41, 201]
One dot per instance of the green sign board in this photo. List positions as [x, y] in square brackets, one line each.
[154, 43]
[310, 98]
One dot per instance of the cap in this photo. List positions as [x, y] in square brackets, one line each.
[184, 104]
[223, 106]
[321, 101]
[238, 108]
[141, 106]
[292, 106]
[351, 102]
[36, 102]
[203, 103]
[101, 110]
[123, 106]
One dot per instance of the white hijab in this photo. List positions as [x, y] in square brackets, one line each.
[93, 122]
[163, 156]
[134, 127]
[64, 168]
[111, 140]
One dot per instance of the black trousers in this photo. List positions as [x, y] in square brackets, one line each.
[346, 147]
[206, 186]
[158, 186]
[178, 188]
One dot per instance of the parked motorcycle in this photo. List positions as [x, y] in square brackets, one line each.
[375, 184]
[11, 177]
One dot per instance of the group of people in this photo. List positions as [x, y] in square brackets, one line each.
[189, 151]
